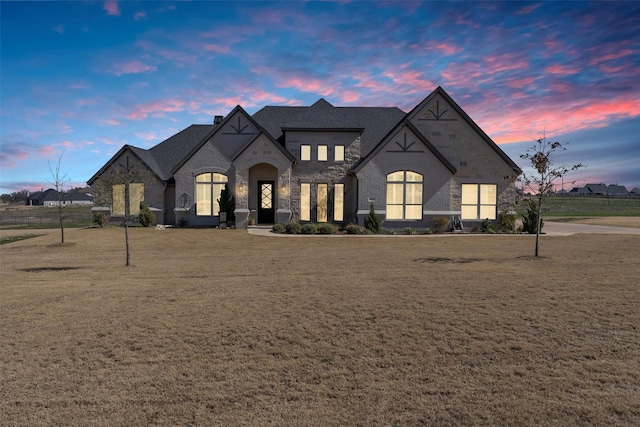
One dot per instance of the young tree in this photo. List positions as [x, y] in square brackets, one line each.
[541, 180]
[124, 174]
[59, 180]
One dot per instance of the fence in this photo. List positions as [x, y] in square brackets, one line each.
[597, 205]
[43, 218]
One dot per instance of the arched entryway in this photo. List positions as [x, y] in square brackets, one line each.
[263, 193]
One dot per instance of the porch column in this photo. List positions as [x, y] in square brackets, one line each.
[283, 214]
[241, 193]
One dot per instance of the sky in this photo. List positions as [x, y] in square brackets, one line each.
[80, 79]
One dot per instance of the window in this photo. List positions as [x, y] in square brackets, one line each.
[338, 202]
[322, 202]
[305, 153]
[404, 195]
[479, 201]
[136, 195]
[338, 151]
[208, 189]
[322, 153]
[305, 202]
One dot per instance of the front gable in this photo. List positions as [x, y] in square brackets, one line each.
[262, 149]
[403, 147]
[453, 133]
[222, 142]
[119, 160]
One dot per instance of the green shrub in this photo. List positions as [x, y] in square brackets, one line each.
[309, 229]
[428, 230]
[410, 230]
[487, 227]
[440, 224]
[530, 218]
[326, 228]
[508, 221]
[146, 217]
[100, 220]
[353, 229]
[293, 228]
[372, 221]
[227, 203]
[367, 232]
[279, 228]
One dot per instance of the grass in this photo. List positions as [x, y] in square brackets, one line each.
[10, 239]
[218, 327]
[590, 206]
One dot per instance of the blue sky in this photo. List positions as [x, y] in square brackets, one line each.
[85, 78]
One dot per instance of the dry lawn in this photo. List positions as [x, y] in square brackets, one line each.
[211, 327]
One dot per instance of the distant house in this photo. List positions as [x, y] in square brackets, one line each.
[38, 198]
[635, 191]
[596, 189]
[617, 190]
[50, 198]
[321, 163]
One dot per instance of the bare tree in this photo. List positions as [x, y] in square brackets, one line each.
[124, 175]
[59, 181]
[541, 181]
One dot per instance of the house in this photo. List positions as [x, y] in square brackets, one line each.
[635, 191]
[595, 189]
[50, 198]
[319, 163]
[617, 190]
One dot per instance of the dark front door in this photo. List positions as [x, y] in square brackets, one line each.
[265, 202]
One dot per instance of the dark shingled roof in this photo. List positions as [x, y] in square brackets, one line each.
[321, 115]
[373, 122]
[171, 151]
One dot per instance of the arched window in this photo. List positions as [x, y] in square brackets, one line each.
[404, 195]
[208, 189]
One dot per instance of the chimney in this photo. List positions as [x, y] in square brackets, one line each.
[217, 120]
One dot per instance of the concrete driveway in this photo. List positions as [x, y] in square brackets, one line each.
[551, 228]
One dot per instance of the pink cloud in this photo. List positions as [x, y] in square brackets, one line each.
[156, 109]
[46, 151]
[613, 56]
[112, 8]
[132, 67]
[519, 83]
[525, 120]
[561, 69]
[179, 57]
[83, 102]
[139, 15]
[504, 62]
[146, 136]
[444, 47]
[528, 9]
[210, 47]
[12, 153]
[412, 78]
[113, 122]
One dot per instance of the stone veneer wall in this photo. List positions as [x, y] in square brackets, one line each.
[329, 172]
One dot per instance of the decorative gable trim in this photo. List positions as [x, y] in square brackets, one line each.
[406, 148]
[261, 132]
[112, 160]
[227, 120]
[440, 114]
